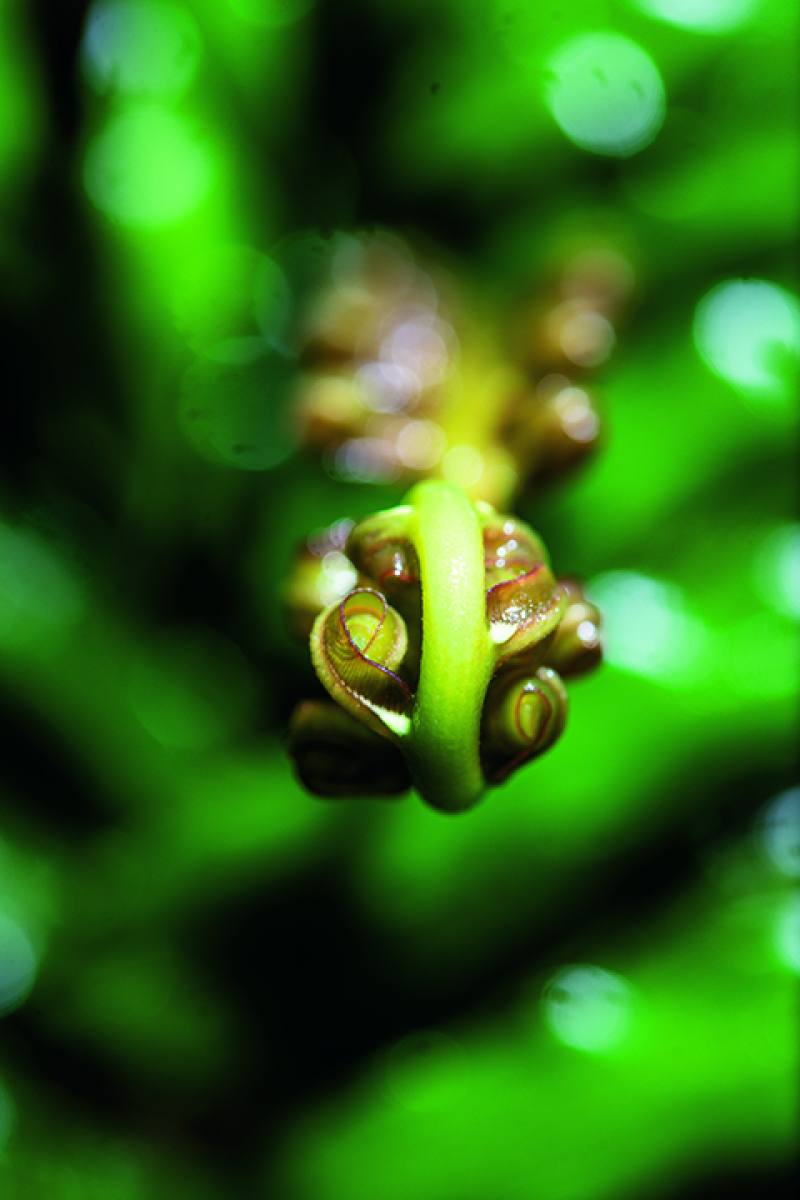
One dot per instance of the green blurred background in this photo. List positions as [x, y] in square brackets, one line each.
[212, 984]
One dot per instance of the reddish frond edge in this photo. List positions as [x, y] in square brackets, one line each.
[364, 679]
[522, 612]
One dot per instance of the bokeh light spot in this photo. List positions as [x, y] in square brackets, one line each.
[339, 576]
[776, 570]
[702, 16]
[588, 1008]
[577, 415]
[748, 333]
[387, 387]
[586, 337]
[147, 167]
[18, 964]
[364, 460]
[421, 344]
[148, 47]
[648, 629]
[787, 933]
[420, 445]
[780, 833]
[605, 93]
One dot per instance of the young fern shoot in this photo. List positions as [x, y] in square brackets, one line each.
[441, 662]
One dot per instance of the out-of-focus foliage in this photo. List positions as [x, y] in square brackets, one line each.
[211, 983]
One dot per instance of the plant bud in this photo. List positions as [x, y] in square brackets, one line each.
[380, 548]
[522, 613]
[553, 429]
[511, 548]
[336, 755]
[357, 647]
[566, 427]
[576, 646]
[522, 717]
[524, 603]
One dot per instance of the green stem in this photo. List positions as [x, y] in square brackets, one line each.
[442, 746]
